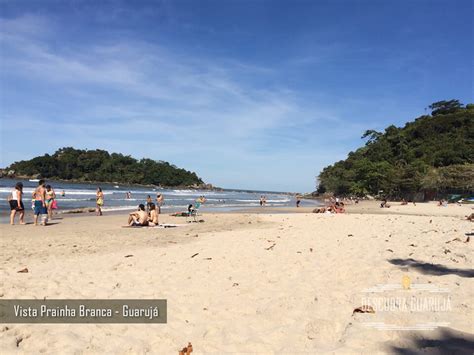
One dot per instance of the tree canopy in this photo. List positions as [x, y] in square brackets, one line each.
[101, 166]
[434, 152]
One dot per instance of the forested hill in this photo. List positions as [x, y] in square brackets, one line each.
[432, 154]
[101, 166]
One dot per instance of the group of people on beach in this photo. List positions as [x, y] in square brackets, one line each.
[141, 217]
[336, 207]
[43, 203]
[147, 216]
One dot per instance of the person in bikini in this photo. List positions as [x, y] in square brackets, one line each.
[99, 201]
[39, 203]
[50, 197]
[153, 217]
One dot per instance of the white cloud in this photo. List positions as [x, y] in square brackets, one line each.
[141, 99]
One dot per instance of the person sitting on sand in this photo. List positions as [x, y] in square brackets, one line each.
[340, 208]
[384, 204]
[404, 202]
[138, 218]
[201, 200]
[153, 216]
[319, 210]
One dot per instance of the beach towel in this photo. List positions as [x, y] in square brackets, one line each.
[165, 225]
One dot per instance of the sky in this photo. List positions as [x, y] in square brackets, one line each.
[248, 94]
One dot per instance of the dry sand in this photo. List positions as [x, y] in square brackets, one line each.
[261, 283]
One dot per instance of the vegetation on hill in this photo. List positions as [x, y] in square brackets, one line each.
[433, 154]
[100, 166]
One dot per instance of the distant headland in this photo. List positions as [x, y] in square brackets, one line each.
[91, 166]
[428, 157]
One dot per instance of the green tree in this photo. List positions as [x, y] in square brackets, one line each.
[423, 154]
[100, 166]
[444, 107]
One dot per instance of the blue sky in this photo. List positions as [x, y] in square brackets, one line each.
[248, 94]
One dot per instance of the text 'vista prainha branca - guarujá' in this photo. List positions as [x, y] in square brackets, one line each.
[82, 311]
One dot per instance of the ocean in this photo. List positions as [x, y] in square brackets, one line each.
[78, 196]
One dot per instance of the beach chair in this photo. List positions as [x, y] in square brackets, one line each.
[194, 212]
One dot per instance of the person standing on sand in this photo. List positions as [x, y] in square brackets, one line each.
[159, 202]
[16, 203]
[39, 203]
[99, 200]
[50, 200]
[149, 202]
[298, 201]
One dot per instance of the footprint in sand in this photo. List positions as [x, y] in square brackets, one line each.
[323, 331]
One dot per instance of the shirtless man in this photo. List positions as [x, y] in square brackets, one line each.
[39, 197]
[159, 202]
[138, 218]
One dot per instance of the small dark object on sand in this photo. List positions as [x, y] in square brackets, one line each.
[128, 256]
[18, 341]
[364, 309]
[453, 240]
[186, 350]
[194, 255]
[270, 247]
[23, 271]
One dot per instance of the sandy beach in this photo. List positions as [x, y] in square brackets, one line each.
[260, 283]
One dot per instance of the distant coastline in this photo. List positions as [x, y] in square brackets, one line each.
[100, 166]
[203, 186]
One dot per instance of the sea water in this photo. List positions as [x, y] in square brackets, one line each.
[79, 196]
